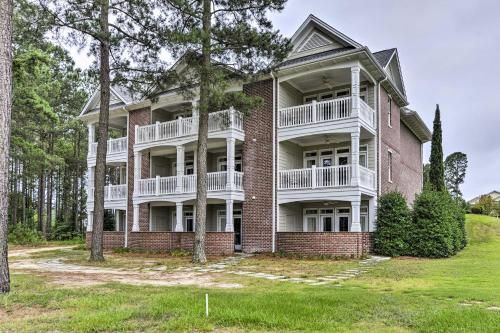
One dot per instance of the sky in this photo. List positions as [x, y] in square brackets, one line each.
[449, 54]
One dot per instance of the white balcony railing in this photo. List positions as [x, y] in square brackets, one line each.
[366, 177]
[111, 192]
[217, 121]
[334, 176]
[366, 113]
[216, 181]
[318, 112]
[115, 146]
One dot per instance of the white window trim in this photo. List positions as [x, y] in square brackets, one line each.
[310, 158]
[320, 157]
[365, 93]
[337, 155]
[307, 96]
[338, 215]
[389, 112]
[366, 153]
[390, 166]
[342, 90]
[320, 96]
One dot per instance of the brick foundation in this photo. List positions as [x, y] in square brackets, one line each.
[341, 244]
[111, 239]
[217, 243]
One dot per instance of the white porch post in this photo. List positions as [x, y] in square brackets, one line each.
[356, 217]
[194, 217]
[229, 216]
[91, 177]
[372, 214]
[180, 167]
[90, 221]
[355, 158]
[230, 162]
[135, 223]
[355, 105]
[178, 217]
[91, 128]
[137, 170]
[117, 220]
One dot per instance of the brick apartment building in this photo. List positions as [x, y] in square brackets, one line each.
[300, 174]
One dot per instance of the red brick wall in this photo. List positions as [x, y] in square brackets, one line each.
[258, 169]
[111, 239]
[406, 153]
[137, 117]
[341, 244]
[217, 243]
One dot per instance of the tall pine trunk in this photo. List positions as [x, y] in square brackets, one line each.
[41, 201]
[5, 116]
[75, 181]
[96, 250]
[201, 173]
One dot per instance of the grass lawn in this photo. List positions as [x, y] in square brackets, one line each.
[401, 295]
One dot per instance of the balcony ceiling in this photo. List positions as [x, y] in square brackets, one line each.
[324, 80]
[333, 139]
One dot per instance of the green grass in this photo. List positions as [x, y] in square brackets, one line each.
[401, 295]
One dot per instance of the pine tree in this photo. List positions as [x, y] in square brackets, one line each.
[436, 172]
[455, 167]
[122, 36]
[220, 40]
[6, 12]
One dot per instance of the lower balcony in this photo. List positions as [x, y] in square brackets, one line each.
[324, 182]
[115, 197]
[181, 188]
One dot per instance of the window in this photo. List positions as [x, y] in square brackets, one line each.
[389, 114]
[324, 97]
[189, 168]
[310, 158]
[238, 165]
[363, 156]
[363, 94]
[342, 93]
[309, 99]
[310, 219]
[389, 159]
[222, 163]
[364, 218]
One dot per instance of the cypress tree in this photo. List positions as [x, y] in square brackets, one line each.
[436, 172]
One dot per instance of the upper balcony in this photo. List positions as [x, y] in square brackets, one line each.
[221, 124]
[116, 152]
[339, 99]
[333, 115]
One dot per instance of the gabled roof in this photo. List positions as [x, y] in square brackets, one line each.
[383, 57]
[120, 96]
[315, 36]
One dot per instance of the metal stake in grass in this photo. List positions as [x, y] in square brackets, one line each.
[206, 305]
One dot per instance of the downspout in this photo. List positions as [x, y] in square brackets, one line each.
[126, 175]
[274, 167]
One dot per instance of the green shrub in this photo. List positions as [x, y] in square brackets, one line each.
[434, 229]
[476, 210]
[393, 225]
[23, 234]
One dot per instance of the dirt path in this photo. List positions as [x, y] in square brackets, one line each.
[25, 252]
[64, 274]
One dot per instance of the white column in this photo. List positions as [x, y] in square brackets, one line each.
[180, 167]
[229, 216]
[135, 223]
[230, 162]
[137, 170]
[178, 217]
[90, 221]
[372, 214]
[194, 217]
[91, 128]
[117, 220]
[355, 158]
[356, 219]
[91, 177]
[355, 70]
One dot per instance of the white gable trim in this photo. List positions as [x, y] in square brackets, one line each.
[333, 33]
[395, 58]
[95, 95]
[314, 34]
